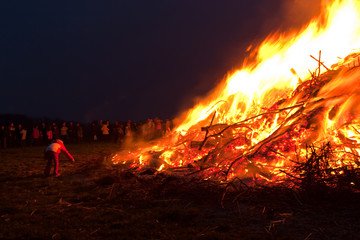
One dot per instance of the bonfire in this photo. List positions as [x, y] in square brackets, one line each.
[290, 115]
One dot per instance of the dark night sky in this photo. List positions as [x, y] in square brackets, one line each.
[87, 60]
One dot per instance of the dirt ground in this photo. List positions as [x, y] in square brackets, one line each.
[95, 200]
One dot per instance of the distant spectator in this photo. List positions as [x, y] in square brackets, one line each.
[43, 137]
[35, 135]
[23, 135]
[3, 136]
[49, 134]
[167, 126]
[52, 156]
[105, 131]
[12, 135]
[128, 131]
[149, 129]
[158, 128]
[64, 132]
[55, 131]
[115, 132]
[143, 128]
[121, 133]
[79, 133]
[18, 134]
[136, 130]
[72, 134]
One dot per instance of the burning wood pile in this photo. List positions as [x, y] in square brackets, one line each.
[257, 132]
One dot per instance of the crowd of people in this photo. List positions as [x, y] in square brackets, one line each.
[18, 135]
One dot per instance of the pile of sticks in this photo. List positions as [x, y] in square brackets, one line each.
[222, 164]
[229, 155]
[318, 174]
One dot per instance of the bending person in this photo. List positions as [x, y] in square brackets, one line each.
[52, 155]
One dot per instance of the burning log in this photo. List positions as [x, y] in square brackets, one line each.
[206, 143]
[215, 127]
[207, 131]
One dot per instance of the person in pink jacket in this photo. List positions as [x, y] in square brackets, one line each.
[52, 155]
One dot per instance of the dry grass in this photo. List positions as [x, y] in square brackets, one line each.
[95, 200]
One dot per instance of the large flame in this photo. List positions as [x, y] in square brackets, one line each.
[256, 107]
[256, 84]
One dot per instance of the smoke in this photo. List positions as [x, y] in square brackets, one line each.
[299, 12]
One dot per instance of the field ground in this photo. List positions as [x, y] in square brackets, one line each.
[95, 200]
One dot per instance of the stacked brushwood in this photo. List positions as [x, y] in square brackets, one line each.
[317, 175]
[230, 156]
[309, 173]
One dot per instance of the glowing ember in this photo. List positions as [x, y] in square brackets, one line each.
[260, 119]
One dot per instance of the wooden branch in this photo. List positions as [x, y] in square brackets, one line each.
[320, 63]
[207, 132]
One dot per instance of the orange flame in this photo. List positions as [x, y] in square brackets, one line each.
[258, 88]
[269, 77]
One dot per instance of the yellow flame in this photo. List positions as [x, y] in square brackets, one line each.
[280, 63]
[166, 156]
[259, 84]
